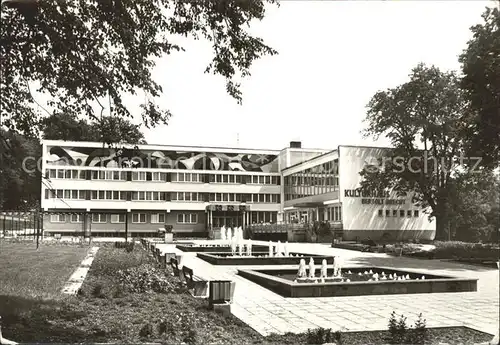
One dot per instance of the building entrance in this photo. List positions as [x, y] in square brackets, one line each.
[227, 219]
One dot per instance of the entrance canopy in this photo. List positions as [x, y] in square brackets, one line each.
[308, 205]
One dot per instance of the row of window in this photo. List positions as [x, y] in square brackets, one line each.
[334, 214]
[395, 213]
[161, 176]
[317, 180]
[72, 194]
[137, 218]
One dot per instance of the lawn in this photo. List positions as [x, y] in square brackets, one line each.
[126, 298]
[31, 273]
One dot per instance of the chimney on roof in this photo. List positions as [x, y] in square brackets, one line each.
[295, 144]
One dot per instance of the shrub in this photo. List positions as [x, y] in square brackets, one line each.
[418, 335]
[97, 291]
[321, 336]
[399, 333]
[146, 331]
[397, 329]
[144, 278]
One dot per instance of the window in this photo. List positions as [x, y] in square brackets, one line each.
[187, 177]
[156, 196]
[109, 175]
[387, 213]
[163, 196]
[225, 178]
[194, 196]
[211, 178]
[238, 178]
[180, 196]
[93, 194]
[53, 173]
[138, 176]
[194, 177]
[231, 178]
[261, 179]
[218, 197]
[231, 196]
[138, 217]
[74, 174]
[116, 195]
[268, 179]
[156, 176]
[218, 178]
[381, 213]
[401, 213]
[101, 195]
[142, 196]
[225, 197]
[408, 213]
[187, 196]
[135, 196]
[394, 213]
[262, 198]
[57, 218]
[211, 197]
[255, 179]
[415, 213]
[149, 196]
[123, 195]
[268, 197]
[102, 175]
[117, 218]
[67, 193]
[187, 218]
[274, 179]
[82, 194]
[180, 177]
[76, 218]
[109, 195]
[99, 217]
[67, 174]
[158, 218]
[74, 194]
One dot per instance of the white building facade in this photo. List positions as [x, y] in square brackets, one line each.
[139, 189]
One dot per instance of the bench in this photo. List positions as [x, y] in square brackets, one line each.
[165, 259]
[220, 292]
[197, 285]
[175, 267]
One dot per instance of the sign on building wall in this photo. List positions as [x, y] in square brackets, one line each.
[373, 197]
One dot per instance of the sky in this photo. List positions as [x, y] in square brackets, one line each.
[333, 57]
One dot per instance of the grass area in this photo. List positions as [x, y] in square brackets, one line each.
[31, 273]
[126, 298]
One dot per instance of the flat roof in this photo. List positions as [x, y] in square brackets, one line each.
[172, 147]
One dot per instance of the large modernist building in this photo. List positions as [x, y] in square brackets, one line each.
[109, 190]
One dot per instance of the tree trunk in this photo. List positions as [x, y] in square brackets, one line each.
[442, 223]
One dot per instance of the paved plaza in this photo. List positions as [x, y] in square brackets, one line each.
[268, 312]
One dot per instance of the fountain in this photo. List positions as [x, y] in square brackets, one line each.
[223, 233]
[271, 249]
[233, 246]
[337, 266]
[278, 249]
[311, 269]
[285, 249]
[324, 270]
[229, 236]
[249, 247]
[302, 269]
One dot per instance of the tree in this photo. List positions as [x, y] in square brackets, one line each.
[19, 176]
[96, 51]
[108, 129]
[481, 82]
[475, 207]
[422, 118]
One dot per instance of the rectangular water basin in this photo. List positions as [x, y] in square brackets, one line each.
[261, 258]
[285, 283]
